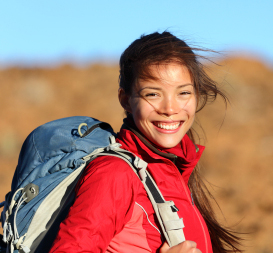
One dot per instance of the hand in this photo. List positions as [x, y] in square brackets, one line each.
[184, 247]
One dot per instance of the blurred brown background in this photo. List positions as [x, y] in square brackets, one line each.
[239, 141]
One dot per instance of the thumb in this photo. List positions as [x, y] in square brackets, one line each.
[164, 248]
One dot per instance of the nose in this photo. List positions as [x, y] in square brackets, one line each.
[169, 106]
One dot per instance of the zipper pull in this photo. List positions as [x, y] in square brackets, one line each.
[192, 201]
[174, 208]
[174, 159]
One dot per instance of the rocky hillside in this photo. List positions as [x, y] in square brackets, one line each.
[239, 140]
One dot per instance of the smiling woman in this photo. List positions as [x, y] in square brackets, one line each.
[162, 86]
[163, 109]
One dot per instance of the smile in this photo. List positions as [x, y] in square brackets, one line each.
[167, 126]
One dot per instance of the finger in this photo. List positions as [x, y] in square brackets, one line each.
[164, 248]
[189, 244]
[184, 247]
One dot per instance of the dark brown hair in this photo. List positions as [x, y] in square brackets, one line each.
[161, 48]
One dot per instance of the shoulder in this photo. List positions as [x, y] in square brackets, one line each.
[109, 170]
[109, 164]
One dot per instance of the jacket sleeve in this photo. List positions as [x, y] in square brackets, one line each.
[103, 205]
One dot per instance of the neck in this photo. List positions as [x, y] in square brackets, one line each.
[129, 124]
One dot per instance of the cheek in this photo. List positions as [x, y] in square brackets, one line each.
[134, 105]
[190, 108]
[136, 111]
[140, 108]
[140, 114]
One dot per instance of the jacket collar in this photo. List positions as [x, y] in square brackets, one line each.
[185, 155]
[129, 125]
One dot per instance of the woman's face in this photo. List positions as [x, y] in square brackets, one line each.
[164, 109]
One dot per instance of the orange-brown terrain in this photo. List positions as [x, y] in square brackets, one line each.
[239, 140]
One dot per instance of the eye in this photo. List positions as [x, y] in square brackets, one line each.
[185, 93]
[152, 94]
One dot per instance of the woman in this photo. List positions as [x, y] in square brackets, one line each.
[162, 86]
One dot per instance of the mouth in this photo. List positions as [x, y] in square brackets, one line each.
[167, 126]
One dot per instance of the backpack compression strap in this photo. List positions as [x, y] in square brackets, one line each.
[166, 211]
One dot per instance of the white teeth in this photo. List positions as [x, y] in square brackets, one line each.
[168, 127]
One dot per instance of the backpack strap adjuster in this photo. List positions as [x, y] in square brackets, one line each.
[141, 166]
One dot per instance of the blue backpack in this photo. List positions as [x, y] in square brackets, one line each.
[51, 161]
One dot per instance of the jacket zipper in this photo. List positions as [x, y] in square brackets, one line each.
[190, 199]
[194, 208]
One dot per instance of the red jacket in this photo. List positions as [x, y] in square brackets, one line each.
[112, 212]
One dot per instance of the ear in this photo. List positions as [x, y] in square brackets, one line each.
[124, 100]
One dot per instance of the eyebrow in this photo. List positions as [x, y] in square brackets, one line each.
[158, 88]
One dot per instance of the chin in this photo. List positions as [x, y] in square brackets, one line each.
[166, 144]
